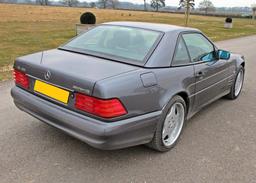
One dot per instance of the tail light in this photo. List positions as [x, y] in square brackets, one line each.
[100, 107]
[21, 79]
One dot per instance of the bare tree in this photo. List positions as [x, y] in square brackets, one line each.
[103, 3]
[70, 3]
[92, 4]
[42, 2]
[156, 4]
[206, 6]
[114, 3]
[188, 5]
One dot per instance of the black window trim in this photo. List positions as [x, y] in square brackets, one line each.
[191, 62]
[179, 39]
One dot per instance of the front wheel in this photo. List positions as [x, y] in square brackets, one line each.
[237, 85]
[169, 129]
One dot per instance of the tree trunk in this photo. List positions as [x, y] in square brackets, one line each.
[187, 13]
[145, 5]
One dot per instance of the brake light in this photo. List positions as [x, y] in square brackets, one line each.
[100, 107]
[21, 79]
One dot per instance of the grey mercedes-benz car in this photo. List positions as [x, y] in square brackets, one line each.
[122, 84]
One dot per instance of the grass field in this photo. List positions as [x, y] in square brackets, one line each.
[25, 28]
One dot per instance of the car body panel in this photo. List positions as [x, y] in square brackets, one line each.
[213, 81]
[74, 71]
[150, 26]
[107, 136]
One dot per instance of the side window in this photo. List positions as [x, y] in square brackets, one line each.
[200, 49]
[181, 55]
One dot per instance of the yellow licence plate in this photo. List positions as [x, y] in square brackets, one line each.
[51, 91]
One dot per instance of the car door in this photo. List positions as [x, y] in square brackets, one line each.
[211, 73]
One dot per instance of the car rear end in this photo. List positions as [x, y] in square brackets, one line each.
[92, 106]
[92, 87]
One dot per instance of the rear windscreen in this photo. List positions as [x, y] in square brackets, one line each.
[128, 44]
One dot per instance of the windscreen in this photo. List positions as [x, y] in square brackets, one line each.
[125, 43]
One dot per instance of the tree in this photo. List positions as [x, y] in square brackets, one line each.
[156, 4]
[206, 6]
[187, 4]
[103, 3]
[92, 4]
[42, 2]
[114, 3]
[253, 11]
[70, 3]
[145, 5]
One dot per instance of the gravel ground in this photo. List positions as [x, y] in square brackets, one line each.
[218, 144]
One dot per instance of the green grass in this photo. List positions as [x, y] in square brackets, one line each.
[26, 29]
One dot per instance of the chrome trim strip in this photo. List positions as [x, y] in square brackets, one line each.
[192, 84]
[210, 86]
[50, 83]
[217, 73]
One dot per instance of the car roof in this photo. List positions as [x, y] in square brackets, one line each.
[152, 26]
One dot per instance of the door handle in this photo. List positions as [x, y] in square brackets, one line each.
[200, 74]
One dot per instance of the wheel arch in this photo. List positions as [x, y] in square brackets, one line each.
[184, 95]
[240, 61]
[243, 64]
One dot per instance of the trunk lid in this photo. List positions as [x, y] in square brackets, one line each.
[70, 70]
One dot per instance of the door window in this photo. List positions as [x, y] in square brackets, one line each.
[200, 48]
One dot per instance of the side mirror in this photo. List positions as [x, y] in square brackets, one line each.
[224, 55]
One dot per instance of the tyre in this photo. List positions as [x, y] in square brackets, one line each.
[237, 85]
[170, 126]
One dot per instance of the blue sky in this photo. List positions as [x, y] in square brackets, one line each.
[217, 3]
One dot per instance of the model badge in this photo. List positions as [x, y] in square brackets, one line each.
[81, 89]
[47, 75]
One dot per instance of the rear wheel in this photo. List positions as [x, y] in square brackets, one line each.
[237, 85]
[169, 129]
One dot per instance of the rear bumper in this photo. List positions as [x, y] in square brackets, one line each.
[102, 135]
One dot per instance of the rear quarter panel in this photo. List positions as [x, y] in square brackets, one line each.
[140, 99]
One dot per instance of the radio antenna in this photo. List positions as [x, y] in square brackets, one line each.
[42, 56]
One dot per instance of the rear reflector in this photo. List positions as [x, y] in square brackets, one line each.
[109, 108]
[21, 79]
